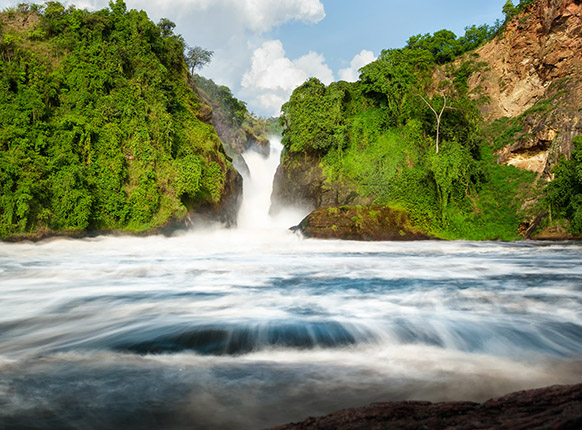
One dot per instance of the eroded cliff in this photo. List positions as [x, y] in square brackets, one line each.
[534, 77]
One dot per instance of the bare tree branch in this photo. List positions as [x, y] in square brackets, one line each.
[438, 116]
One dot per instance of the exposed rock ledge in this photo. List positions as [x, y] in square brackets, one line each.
[360, 223]
[557, 407]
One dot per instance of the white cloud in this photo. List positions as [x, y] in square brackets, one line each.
[234, 29]
[352, 73]
[258, 16]
[272, 76]
[313, 64]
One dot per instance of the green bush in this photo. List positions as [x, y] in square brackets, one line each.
[378, 135]
[564, 193]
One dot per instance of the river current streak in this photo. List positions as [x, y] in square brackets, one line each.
[253, 327]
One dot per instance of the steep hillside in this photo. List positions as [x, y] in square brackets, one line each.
[534, 84]
[99, 129]
[237, 128]
[461, 133]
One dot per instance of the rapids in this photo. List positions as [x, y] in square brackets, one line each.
[253, 327]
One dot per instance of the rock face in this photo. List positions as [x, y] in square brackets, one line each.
[227, 208]
[558, 407]
[534, 70]
[235, 137]
[360, 223]
[301, 182]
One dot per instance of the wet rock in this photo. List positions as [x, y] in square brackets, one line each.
[226, 210]
[301, 182]
[557, 407]
[360, 223]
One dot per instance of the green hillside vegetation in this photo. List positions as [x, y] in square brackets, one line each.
[564, 193]
[410, 141]
[237, 127]
[98, 127]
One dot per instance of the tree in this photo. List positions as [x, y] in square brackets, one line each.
[197, 57]
[166, 27]
[508, 10]
[564, 193]
[118, 7]
[438, 116]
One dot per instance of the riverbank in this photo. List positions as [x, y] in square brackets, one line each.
[555, 407]
[383, 223]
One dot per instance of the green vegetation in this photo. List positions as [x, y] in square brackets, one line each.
[507, 131]
[510, 10]
[234, 111]
[564, 193]
[380, 135]
[98, 127]
[236, 126]
[197, 57]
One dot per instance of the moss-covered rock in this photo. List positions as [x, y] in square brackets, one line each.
[300, 181]
[361, 223]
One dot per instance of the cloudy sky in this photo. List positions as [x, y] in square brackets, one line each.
[263, 49]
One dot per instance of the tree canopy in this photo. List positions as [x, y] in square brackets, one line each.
[98, 127]
[197, 57]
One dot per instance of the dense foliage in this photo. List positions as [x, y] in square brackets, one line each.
[564, 193]
[98, 127]
[380, 135]
[238, 128]
[234, 111]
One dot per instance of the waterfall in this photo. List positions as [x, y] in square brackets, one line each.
[253, 327]
[257, 188]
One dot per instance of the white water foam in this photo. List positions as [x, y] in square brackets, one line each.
[254, 211]
[255, 326]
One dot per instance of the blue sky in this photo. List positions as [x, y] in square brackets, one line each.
[350, 26]
[263, 49]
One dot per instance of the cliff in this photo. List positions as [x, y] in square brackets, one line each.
[534, 76]
[99, 129]
[237, 128]
[510, 100]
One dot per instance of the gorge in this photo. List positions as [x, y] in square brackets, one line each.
[254, 327]
[149, 277]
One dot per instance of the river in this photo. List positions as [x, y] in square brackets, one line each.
[252, 327]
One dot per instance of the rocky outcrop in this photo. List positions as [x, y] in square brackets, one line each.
[360, 223]
[557, 407]
[534, 73]
[226, 211]
[301, 182]
[217, 110]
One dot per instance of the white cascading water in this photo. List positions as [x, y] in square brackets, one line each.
[254, 327]
[254, 211]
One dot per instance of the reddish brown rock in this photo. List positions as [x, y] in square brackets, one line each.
[557, 407]
[537, 59]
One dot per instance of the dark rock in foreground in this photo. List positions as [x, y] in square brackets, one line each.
[360, 223]
[557, 407]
